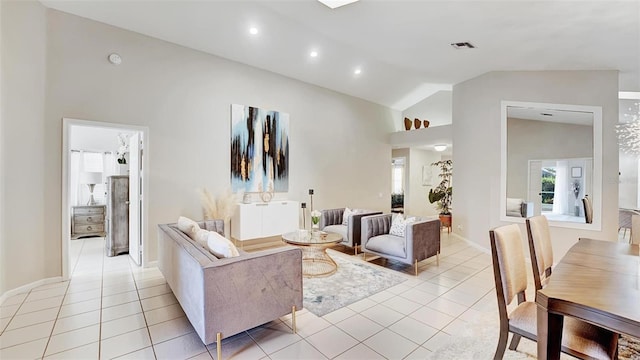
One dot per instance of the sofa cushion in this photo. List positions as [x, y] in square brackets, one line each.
[345, 216]
[514, 207]
[388, 244]
[338, 229]
[399, 224]
[220, 246]
[188, 227]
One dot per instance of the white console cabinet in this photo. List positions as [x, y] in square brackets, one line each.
[259, 220]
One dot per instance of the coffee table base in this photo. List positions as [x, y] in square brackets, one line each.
[317, 263]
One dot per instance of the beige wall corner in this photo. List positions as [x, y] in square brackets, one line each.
[476, 135]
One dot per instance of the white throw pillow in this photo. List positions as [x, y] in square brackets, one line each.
[399, 224]
[220, 246]
[346, 214]
[188, 227]
[201, 237]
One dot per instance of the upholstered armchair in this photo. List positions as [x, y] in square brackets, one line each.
[332, 220]
[421, 239]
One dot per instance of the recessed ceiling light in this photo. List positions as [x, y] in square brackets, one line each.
[253, 30]
[440, 147]
[313, 53]
[337, 3]
[357, 71]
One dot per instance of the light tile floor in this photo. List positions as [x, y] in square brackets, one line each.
[112, 309]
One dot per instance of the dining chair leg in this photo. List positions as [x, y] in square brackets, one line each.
[515, 340]
[219, 345]
[438, 258]
[293, 319]
[415, 266]
[502, 345]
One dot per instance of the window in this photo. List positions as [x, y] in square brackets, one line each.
[548, 187]
[397, 176]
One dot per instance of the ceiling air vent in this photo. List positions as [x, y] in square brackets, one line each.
[462, 45]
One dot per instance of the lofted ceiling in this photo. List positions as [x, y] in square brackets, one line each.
[402, 47]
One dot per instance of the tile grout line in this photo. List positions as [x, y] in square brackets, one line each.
[44, 351]
[144, 316]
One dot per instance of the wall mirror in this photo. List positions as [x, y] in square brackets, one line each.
[551, 160]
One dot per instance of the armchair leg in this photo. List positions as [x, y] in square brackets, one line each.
[293, 319]
[364, 256]
[219, 345]
[415, 266]
[355, 250]
[438, 258]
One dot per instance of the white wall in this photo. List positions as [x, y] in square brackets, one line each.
[417, 204]
[476, 135]
[339, 144]
[95, 139]
[437, 108]
[541, 140]
[26, 240]
[416, 196]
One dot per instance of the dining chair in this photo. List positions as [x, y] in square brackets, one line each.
[540, 249]
[588, 209]
[635, 229]
[579, 339]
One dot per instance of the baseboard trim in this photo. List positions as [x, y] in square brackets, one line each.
[472, 244]
[28, 287]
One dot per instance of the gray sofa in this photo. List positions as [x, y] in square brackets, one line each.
[421, 240]
[223, 297]
[331, 221]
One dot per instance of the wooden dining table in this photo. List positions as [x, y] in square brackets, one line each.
[596, 281]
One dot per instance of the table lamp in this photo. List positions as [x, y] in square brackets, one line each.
[91, 179]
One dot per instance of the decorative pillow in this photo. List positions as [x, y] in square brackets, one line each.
[188, 227]
[399, 224]
[220, 246]
[346, 214]
[201, 237]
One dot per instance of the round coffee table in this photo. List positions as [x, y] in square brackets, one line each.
[315, 260]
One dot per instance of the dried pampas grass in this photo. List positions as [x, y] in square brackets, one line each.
[220, 208]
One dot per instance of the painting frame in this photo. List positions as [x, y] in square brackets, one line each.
[259, 147]
[576, 172]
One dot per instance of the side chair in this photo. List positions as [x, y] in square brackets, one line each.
[635, 229]
[588, 209]
[540, 249]
[579, 339]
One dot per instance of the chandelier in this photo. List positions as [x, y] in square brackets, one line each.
[629, 132]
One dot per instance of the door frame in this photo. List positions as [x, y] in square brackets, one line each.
[67, 124]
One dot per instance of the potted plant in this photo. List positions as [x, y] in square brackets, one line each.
[441, 194]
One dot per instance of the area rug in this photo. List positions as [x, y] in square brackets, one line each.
[480, 338]
[353, 281]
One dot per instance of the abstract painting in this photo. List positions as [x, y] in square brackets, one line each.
[259, 150]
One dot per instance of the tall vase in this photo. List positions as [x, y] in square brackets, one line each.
[407, 124]
[417, 123]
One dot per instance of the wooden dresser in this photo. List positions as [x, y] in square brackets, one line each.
[87, 221]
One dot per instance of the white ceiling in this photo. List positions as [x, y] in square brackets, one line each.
[551, 115]
[402, 47]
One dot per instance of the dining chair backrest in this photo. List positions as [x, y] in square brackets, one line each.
[635, 229]
[508, 264]
[540, 249]
[588, 209]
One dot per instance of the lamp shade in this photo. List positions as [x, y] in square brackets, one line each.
[87, 177]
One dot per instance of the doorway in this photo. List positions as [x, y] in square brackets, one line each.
[95, 155]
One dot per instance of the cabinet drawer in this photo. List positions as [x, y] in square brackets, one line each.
[88, 210]
[80, 229]
[88, 219]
